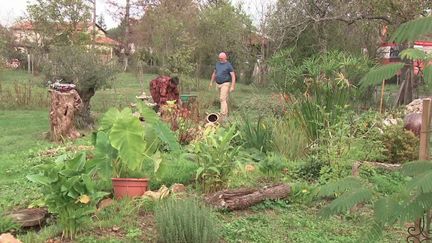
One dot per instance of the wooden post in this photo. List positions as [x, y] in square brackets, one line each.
[382, 96]
[423, 154]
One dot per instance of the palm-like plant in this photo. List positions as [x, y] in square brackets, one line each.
[407, 205]
[407, 32]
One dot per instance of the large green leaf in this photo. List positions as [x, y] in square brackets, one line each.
[40, 179]
[380, 73]
[161, 129]
[412, 30]
[77, 164]
[108, 119]
[127, 136]
[104, 155]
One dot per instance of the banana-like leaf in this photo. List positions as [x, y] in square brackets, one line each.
[412, 30]
[127, 136]
[380, 73]
[413, 54]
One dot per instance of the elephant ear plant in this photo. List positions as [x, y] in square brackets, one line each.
[124, 145]
[70, 192]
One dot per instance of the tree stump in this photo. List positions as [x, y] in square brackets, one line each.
[64, 106]
[246, 197]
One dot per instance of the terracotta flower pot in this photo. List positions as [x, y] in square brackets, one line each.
[129, 187]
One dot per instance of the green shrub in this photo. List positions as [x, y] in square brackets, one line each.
[7, 224]
[185, 221]
[310, 170]
[216, 157]
[272, 164]
[176, 168]
[70, 192]
[401, 145]
[289, 139]
[257, 134]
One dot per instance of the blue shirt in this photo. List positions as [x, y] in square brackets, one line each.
[223, 70]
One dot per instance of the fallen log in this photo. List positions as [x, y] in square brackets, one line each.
[246, 197]
[355, 170]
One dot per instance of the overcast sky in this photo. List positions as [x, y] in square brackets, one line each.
[11, 10]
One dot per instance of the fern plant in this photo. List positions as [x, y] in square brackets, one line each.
[410, 203]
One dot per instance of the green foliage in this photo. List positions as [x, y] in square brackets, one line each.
[272, 164]
[289, 139]
[124, 145]
[408, 203]
[215, 155]
[74, 64]
[258, 135]
[185, 221]
[412, 30]
[160, 128]
[57, 21]
[7, 224]
[176, 168]
[332, 70]
[378, 74]
[322, 86]
[310, 170]
[70, 192]
[401, 145]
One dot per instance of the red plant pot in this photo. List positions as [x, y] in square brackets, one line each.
[129, 187]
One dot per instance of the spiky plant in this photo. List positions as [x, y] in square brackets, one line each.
[410, 203]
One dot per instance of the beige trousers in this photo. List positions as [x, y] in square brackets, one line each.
[224, 90]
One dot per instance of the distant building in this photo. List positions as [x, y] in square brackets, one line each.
[26, 35]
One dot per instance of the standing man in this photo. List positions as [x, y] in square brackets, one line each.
[225, 79]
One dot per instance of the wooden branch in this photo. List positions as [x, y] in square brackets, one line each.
[350, 21]
[385, 166]
[246, 197]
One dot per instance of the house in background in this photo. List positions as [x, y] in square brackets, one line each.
[26, 36]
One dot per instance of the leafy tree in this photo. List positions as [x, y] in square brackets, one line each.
[322, 25]
[59, 22]
[85, 69]
[223, 27]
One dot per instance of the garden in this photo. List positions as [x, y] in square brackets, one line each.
[318, 153]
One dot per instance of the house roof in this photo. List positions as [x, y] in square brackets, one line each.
[26, 25]
[107, 41]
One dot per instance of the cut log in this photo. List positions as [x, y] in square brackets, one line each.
[64, 106]
[246, 197]
[389, 167]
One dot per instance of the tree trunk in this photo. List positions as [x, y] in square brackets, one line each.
[126, 37]
[246, 197]
[64, 106]
[83, 119]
